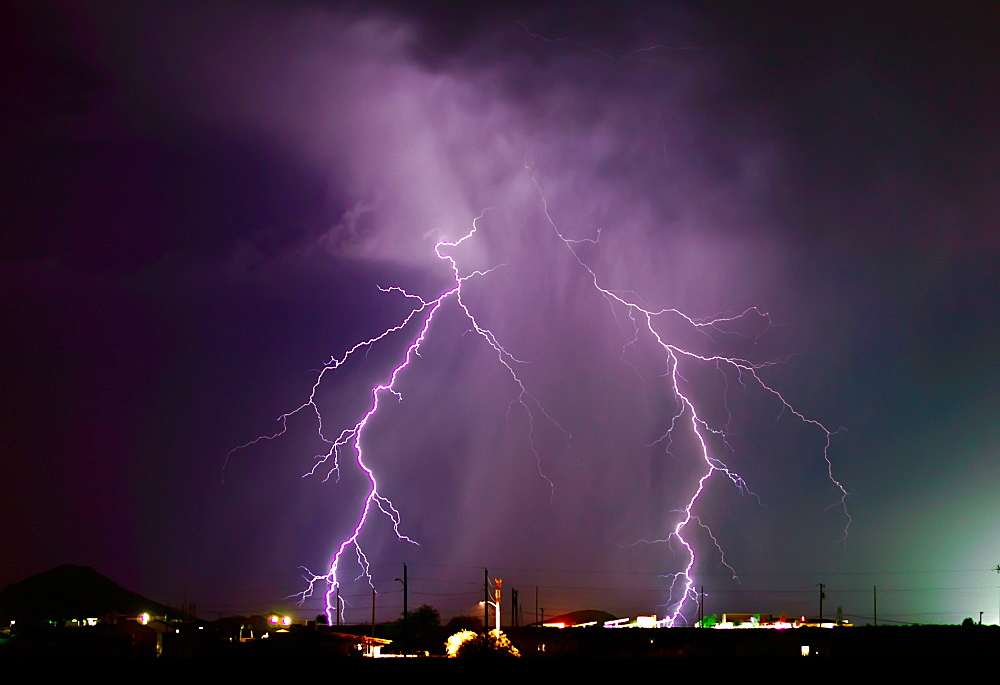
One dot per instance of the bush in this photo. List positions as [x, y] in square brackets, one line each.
[467, 644]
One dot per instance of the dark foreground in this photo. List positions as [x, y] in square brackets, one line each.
[884, 642]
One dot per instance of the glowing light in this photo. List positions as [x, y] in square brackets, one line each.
[477, 644]
[455, 642]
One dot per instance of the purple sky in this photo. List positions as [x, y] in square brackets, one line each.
[201, 200]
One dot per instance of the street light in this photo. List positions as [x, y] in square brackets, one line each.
[496, 611]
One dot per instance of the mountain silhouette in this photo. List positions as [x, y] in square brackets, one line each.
[68, 592]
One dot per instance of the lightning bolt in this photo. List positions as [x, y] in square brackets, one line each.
[681, 589]
[423, 312]
[351, 440]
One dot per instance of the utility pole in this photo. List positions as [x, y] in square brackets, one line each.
[701, 608]
[373, 612]
[875, 601]
[406, 618]
[486, 600]
[822, 596]
[338, 605]
[514, 607]
[997, 569]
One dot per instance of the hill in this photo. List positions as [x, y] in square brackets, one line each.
[69, 591]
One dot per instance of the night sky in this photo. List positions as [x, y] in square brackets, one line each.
[201, 201]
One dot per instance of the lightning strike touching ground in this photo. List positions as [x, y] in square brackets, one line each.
[682, 583]
[685, 417]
